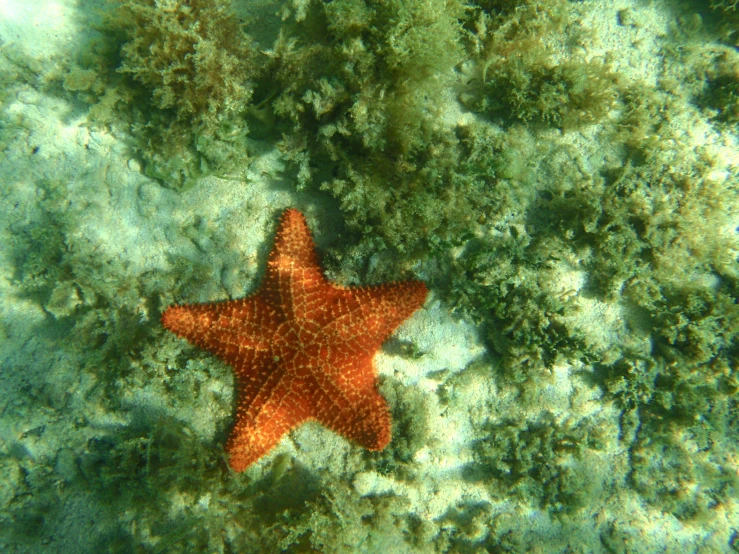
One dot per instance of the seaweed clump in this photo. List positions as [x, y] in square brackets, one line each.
[719, 82]
[645, 229]
[545, 462]
[357, 89]
[180, 75]
[525, 70]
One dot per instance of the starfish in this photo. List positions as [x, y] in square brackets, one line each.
[301, 348]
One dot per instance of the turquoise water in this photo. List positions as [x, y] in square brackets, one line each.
[561, 175]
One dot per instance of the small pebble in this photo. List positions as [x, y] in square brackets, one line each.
[134, 165]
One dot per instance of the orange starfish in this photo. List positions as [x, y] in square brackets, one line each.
[301, 348]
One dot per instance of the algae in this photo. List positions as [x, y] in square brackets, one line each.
[581, 213]
[179, 76]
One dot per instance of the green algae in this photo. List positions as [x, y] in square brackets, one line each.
[494, 204]
[647, 224]
[520, 72]
[358, 88]
[179, 76]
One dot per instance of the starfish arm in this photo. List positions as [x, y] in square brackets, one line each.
[294, 280]
[235, 330]
[367, 424]
[293, 243]
[353, 408]
[370, 315]
[266, 411]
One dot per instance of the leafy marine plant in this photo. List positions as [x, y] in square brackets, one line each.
[177, 74]
[524, 67]
[357, 88]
